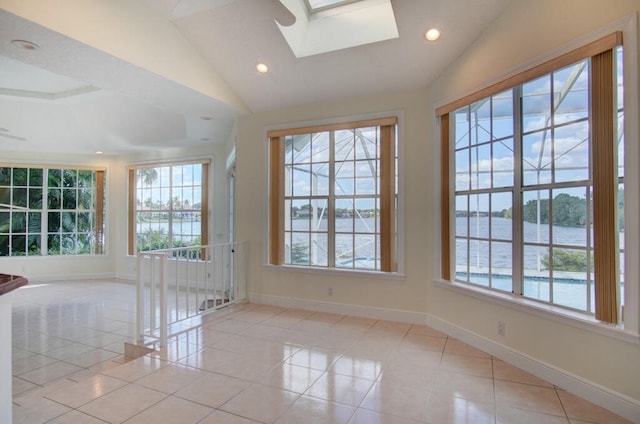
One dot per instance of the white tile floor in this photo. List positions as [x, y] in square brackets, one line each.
[254, 363]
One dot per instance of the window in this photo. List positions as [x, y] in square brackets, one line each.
[318, 5]
[51, 211]
[168, 206]
[333, 194]
[539, 183]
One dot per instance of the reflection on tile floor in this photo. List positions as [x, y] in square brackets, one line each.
[260, 364]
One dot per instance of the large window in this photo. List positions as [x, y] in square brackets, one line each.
[51, 211]
[538, 190]
[333, 196]
[168, 206]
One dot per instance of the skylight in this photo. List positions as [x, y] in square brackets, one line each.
[319, 5]
[323, 26]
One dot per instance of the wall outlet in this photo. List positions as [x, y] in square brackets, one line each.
[501, 328]
[330, 291]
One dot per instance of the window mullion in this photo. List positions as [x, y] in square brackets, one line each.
[44, 216]
[517, 221]
[331, 218]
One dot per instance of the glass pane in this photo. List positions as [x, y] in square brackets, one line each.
[5, 176]
[320, 147]
[68, 222]
[366, 177]
[54, 197]
[35, 222]
[344, 251]
[463, 177]
[35, 177]
[462, 213]
[366, 143]
[344, 215]
[320, 179]
[461, 259]
[18, 245]
[481, 167]
[570, 277]
[53, 219]
[69, 198]
[84, 244]
[479, 262]
[85, 179]
[536, 276]
[462, 128]
[501, 266]
[536, 216]
[367, 217]
[501, 216]
[5, 196]
[18, 222]
[55, 178]
[33, 248]
[20, 177]
[84, 222]
[319, 249]
[35, 198]
[344, 183]
[569, 210]
[536, 104]
[301, 180]
[480, 122]
[365, 251]
[5, 222]
[68, 244]
[4, 245]
[53, 244]
[502, 162]
[536, 158]
[19, 197]
[571, 93]
[300, 248]
[479, 215]
[571, 152]
[344, 145]
[502, 114]
[69, 178]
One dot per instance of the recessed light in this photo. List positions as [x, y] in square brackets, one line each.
[207, 118]
[99, 152]
[432, 34]
[25, 45]
[262, 68]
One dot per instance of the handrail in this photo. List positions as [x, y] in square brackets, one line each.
[178, 284]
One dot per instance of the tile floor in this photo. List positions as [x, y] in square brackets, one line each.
[254, 363]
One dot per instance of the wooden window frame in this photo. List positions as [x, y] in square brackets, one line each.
[604, 172]
[388, 231]
[131, 200]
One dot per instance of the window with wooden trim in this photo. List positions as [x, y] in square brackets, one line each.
[333, 196]
[47, 211]
[168, 206]
[533, 183]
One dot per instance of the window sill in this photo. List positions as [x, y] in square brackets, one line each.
[550, 312]
[358, 273]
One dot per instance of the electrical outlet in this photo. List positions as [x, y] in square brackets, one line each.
[501, 328]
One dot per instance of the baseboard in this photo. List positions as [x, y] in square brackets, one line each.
[599, 395]
[339, 308]
[70, 277]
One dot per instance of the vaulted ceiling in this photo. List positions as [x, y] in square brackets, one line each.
[124, 76]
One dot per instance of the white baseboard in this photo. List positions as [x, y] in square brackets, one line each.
[339, 308]
[70, 277]
[599, 395]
